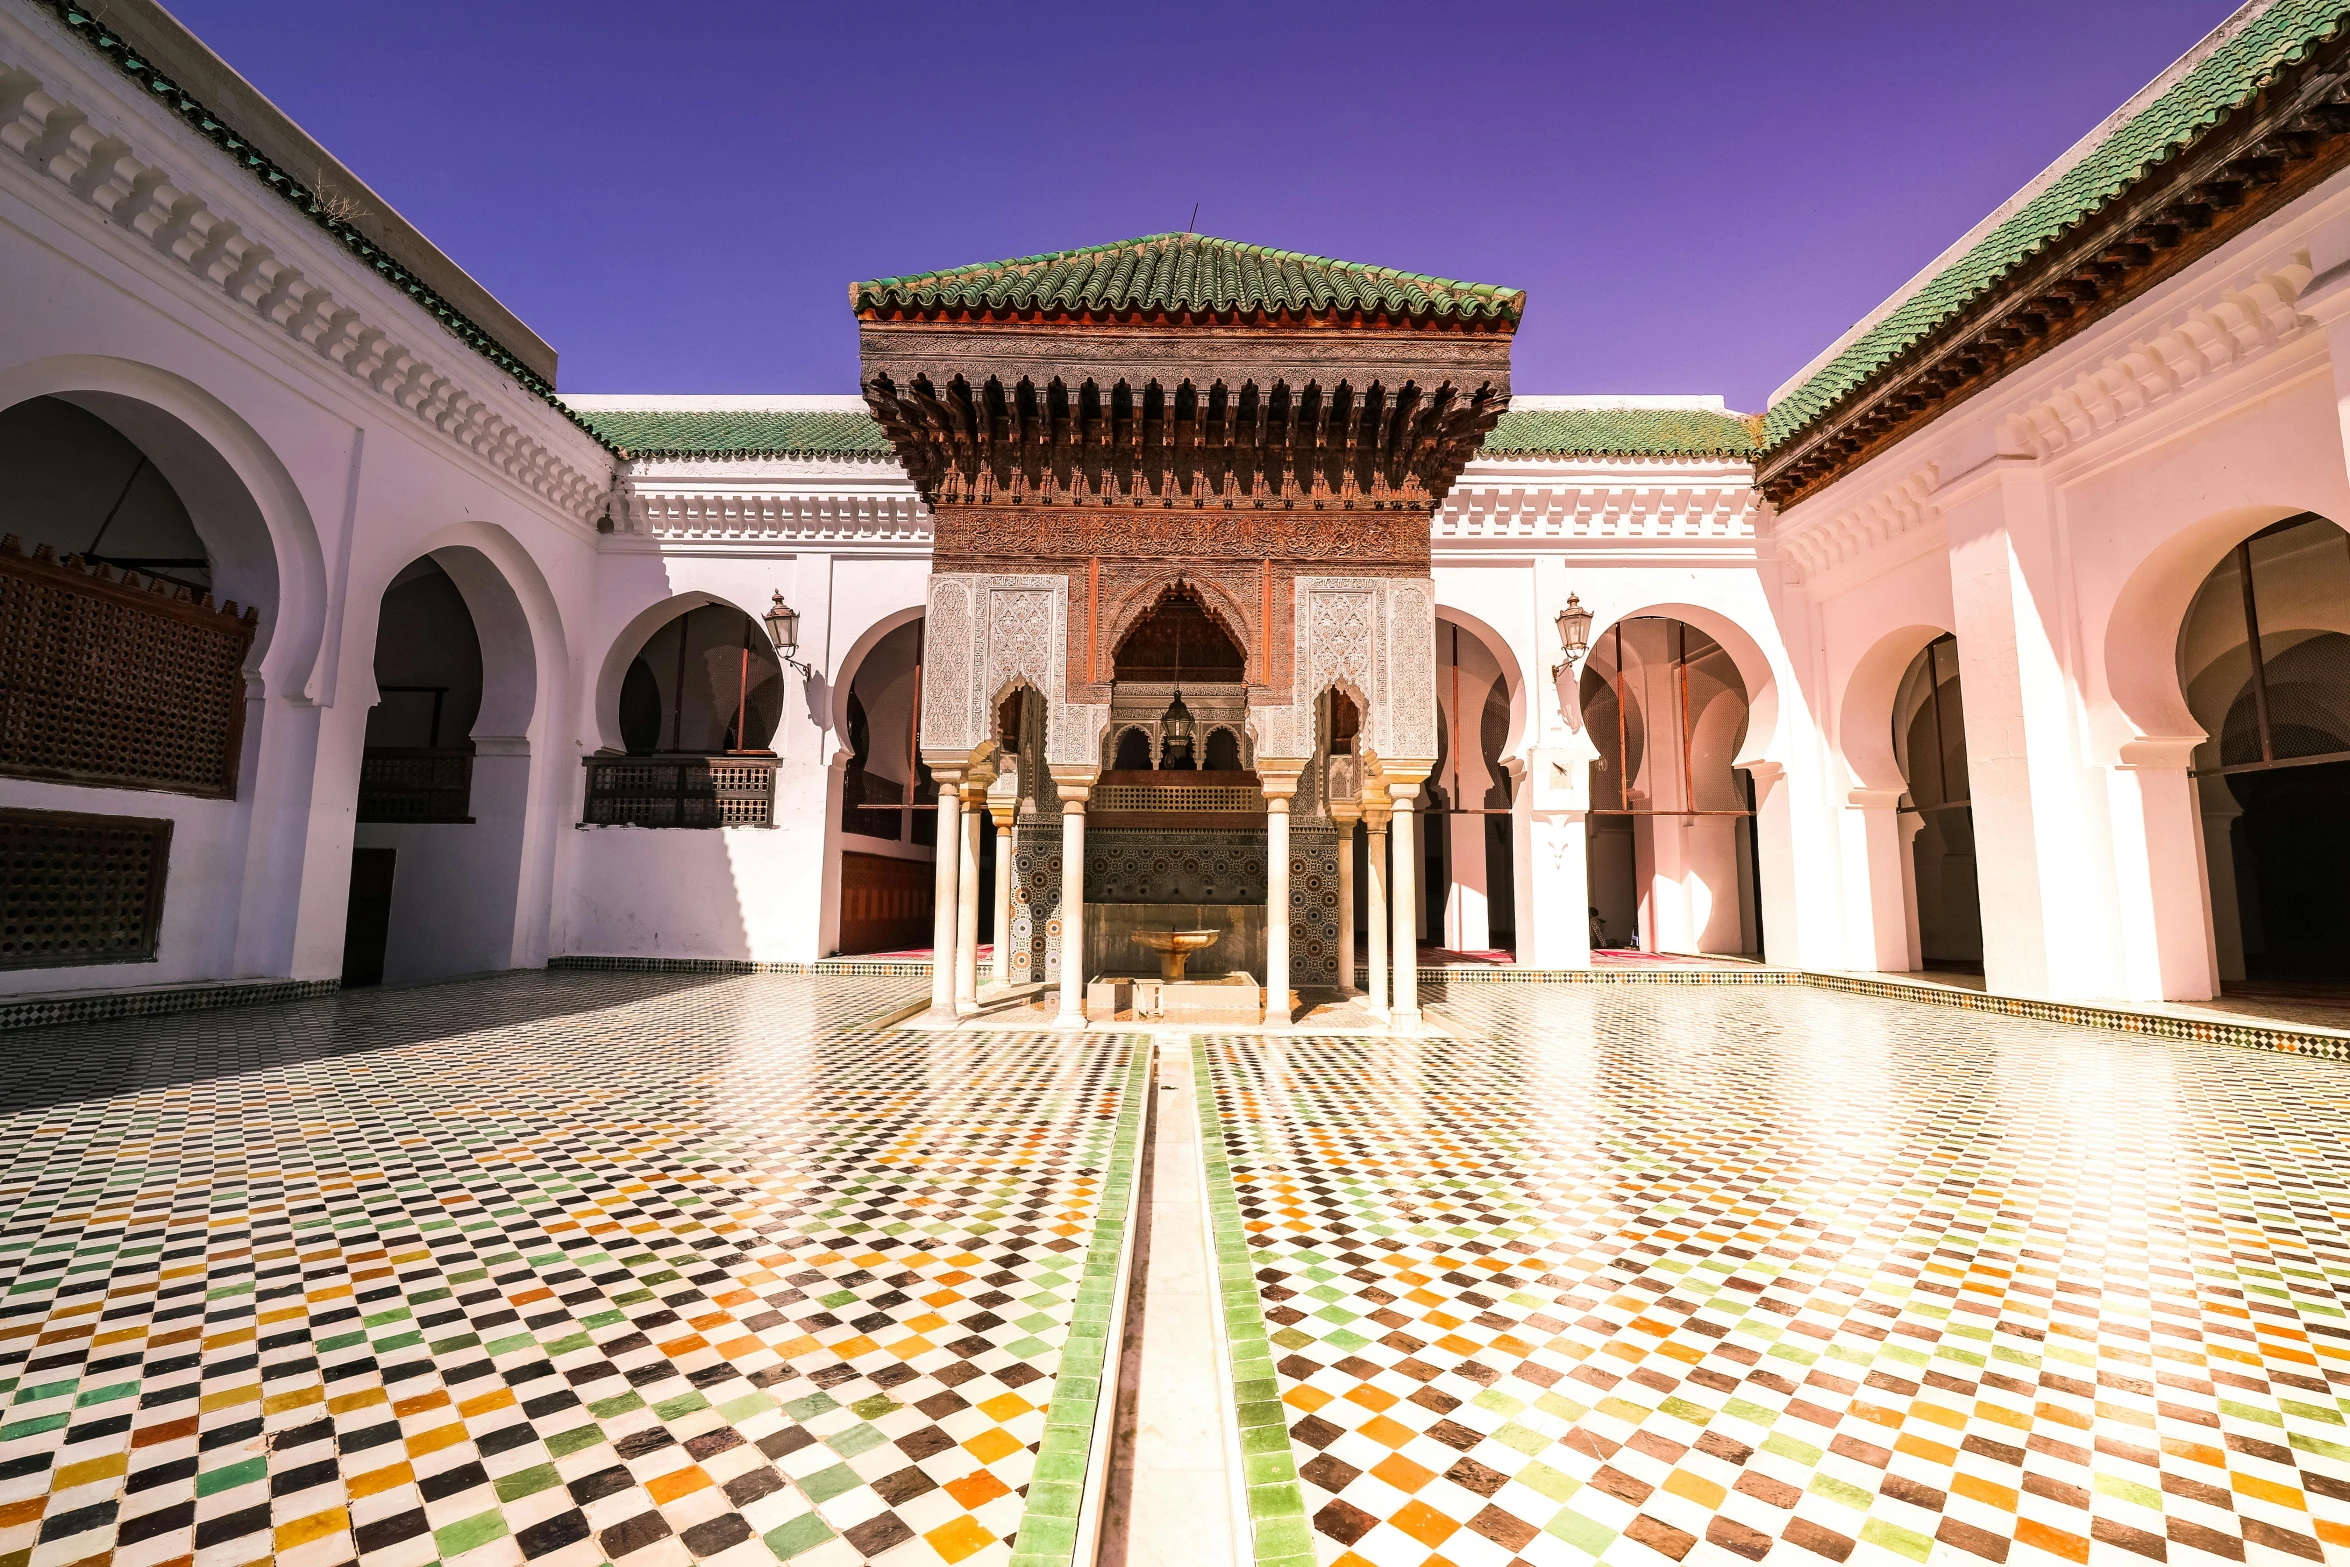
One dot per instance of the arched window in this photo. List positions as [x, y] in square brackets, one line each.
[704, 684]
[1223, 753]
[1134, 752]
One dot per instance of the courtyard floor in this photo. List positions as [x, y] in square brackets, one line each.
[647, 1269]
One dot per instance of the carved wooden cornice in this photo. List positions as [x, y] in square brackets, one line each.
[973, 534]
[2281, 144]
[1063, 415]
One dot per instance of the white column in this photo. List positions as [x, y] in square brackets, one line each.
[2049, 919]
[1555, 893]
[1406, 1011]
[1375, 906]
[1277, 1009]
[1345, 813]
[1003, 814]
[1905, 832]
[1468, 921]
[2168, 947]
[974, 822]
[2220, 811]
[1072, 1013]
[943, 893]
[1876, 896]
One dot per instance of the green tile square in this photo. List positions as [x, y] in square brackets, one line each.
[825, 1484]
[526, 1482]
[468, 1533]
[803, 1533]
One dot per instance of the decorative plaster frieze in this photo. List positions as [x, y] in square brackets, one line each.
[57, 140]
[2228, 327]
[745, 513]
[1638, 499]
[1837, 536]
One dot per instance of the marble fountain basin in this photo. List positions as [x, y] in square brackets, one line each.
[1175, 947]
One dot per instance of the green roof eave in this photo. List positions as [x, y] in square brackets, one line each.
[638, 433]
[1621, 432]
[2229, 77]
[1190, 274]
[83, 22]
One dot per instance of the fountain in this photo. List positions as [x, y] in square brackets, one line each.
[1173, 997]
[1174, 947]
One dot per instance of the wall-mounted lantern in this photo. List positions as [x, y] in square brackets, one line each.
[1574, 625]
[783, 629]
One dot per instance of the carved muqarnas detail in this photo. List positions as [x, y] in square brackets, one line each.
[970, 535]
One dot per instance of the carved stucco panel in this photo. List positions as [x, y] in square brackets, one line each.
[1336, 634]
[1026, 629]
[1410, 730]
[949, 667]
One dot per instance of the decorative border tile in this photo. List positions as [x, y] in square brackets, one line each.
[2159, 1025]
[868, 968]
[100, 1006]
[1276, 1505]
[1064, 1498]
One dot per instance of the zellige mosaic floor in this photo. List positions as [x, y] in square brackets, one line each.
[1719, 1276]
[553, 1268]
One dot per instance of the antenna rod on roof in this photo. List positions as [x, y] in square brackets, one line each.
[1193, 226]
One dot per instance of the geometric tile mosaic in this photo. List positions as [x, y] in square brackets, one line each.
[1636, 1275]
[549, 1268]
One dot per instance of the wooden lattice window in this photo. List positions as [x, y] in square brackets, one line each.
[113, 680]
[78, 889]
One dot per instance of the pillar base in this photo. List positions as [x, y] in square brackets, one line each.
[1068, 1020]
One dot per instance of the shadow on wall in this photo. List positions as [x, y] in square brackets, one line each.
[63, 1065]
[2264, 656]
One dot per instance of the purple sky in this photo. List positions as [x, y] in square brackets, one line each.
[1697, 197]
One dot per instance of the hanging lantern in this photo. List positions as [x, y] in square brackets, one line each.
[1175, 732]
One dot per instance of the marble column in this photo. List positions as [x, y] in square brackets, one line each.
[944, 890]
[1345, 813]
[1277, 909]
[1375, 906]
[1003, 806]
[1072, 1013]
[1405, 1012]
[974, 822]
[1913, 951]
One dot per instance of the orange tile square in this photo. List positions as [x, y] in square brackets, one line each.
[315, 1527]
[676, 1483]
[1424, 1523]
[378, 1480]
[1004, 1406]
[959, 1538]
[1386, 1432]
[976, 1489]
[1402, 1473]
[988, 1446]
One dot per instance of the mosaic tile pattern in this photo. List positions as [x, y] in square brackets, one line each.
[554, 1268]
[1633, 1275]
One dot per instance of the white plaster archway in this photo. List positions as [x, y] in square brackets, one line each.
[244, 503]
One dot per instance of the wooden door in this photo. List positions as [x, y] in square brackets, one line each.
[367, 928]
[885, 903]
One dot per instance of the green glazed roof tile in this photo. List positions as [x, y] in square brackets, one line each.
[739, 432]
[1619, 432]
[2197, 101]
[1525, 432]
[1188, 273]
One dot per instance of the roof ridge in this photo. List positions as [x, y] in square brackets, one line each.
[1170, 271]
